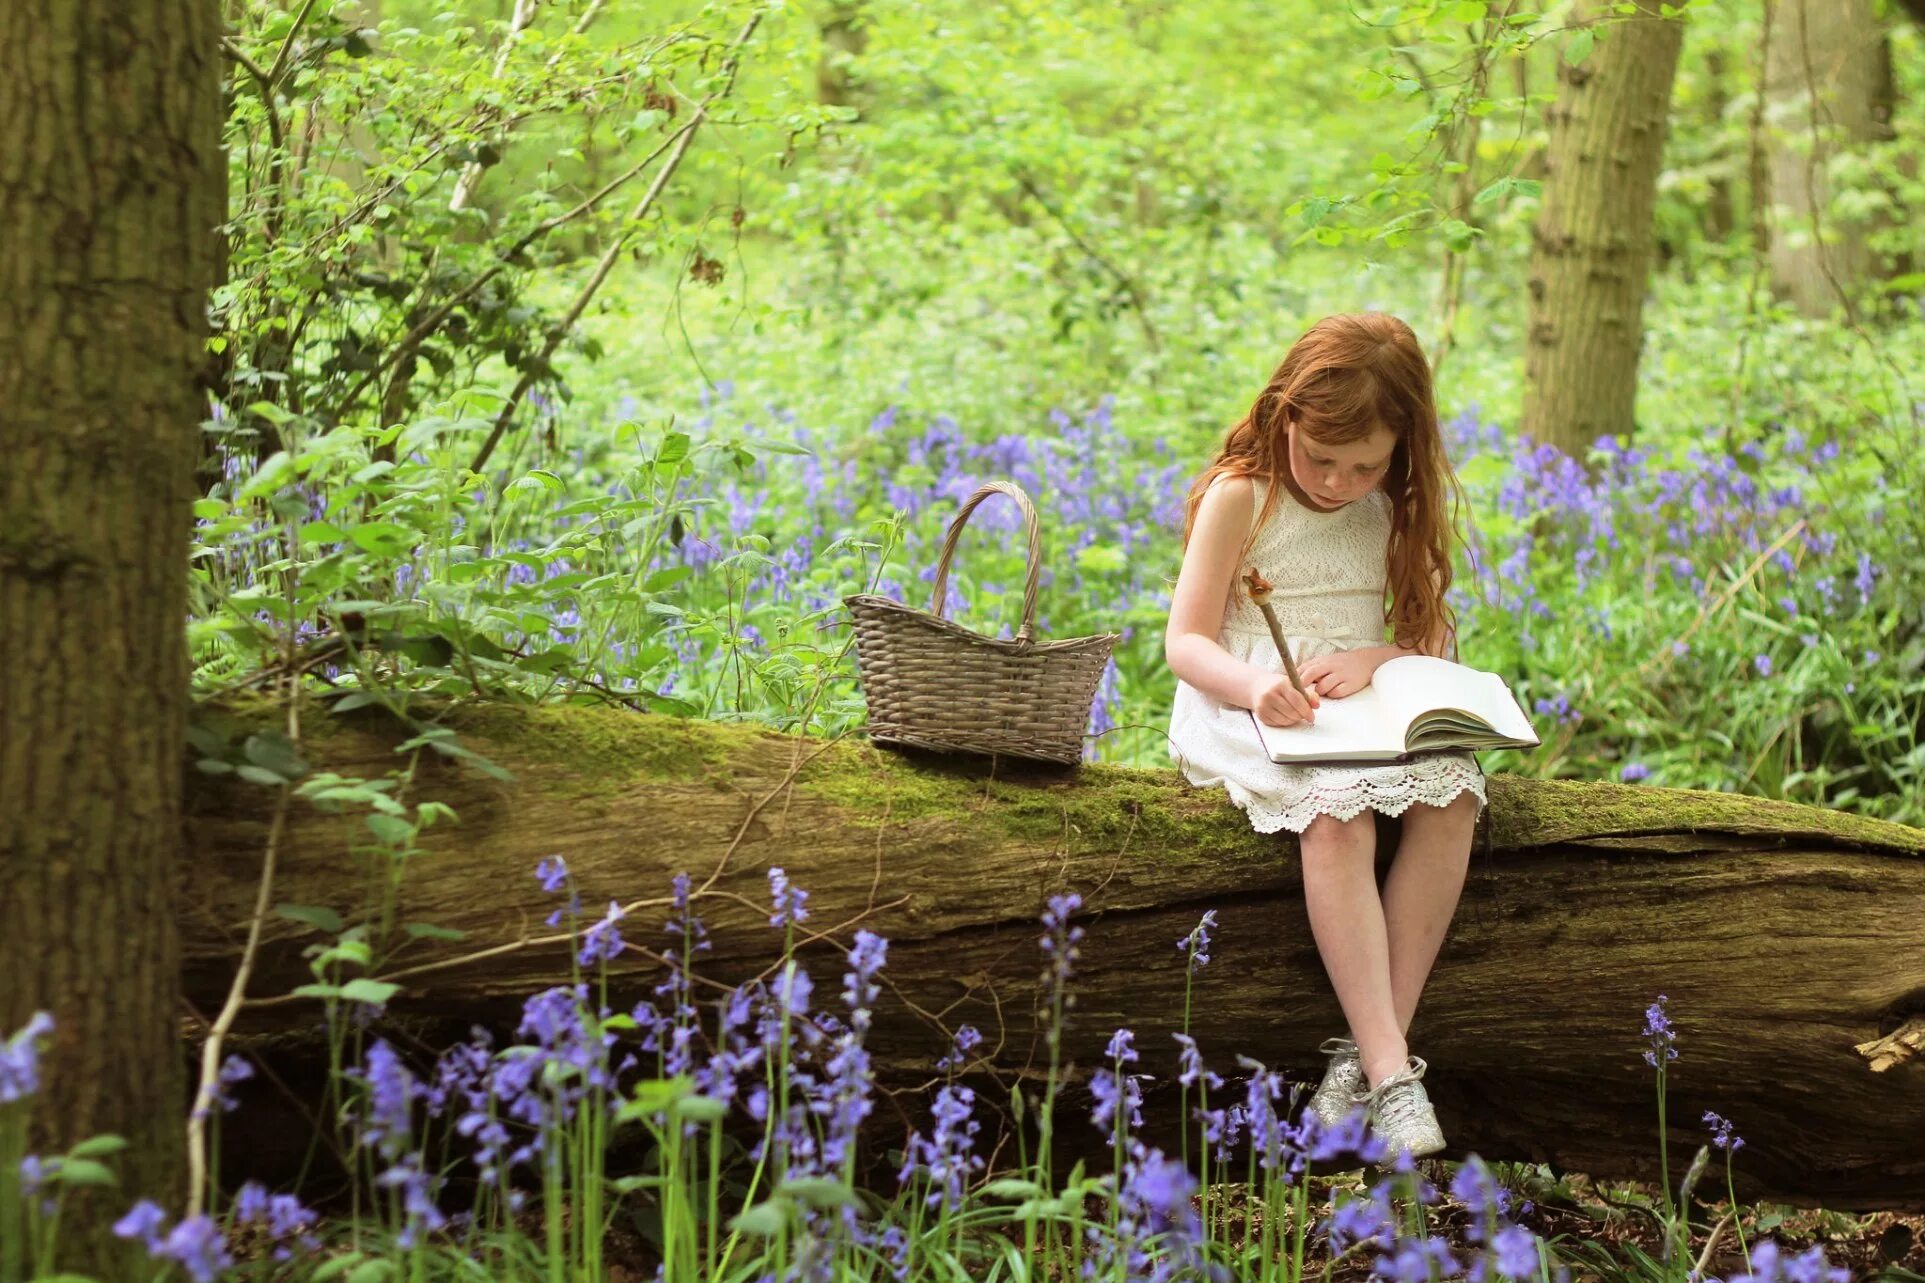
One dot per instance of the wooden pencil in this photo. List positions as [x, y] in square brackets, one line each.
[1260, 594]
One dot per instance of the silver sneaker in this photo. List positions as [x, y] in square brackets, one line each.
[1335, 1098]
[1399, 1112]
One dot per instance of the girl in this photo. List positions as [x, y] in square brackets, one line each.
[1335, 487]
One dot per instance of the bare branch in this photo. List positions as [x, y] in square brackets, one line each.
[556, 333]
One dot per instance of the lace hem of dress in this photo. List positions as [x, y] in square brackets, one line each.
[1345, 794]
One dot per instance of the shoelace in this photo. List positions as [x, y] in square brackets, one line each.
[1399, 1111]
[1391, 1105]
[1338, 1047]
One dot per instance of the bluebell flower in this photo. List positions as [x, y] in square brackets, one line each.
[1191, 1062]
[1060, 940]
[603, 942]
[283, 1216]
[1477, 1190]
[1356, 1221]
[865, 959]
[788, 900]
[391, 1091]
[1658, 1031]
[1197, 943]
[967, 1039]
[20, 1058]
[1633, 772]
[1723, 1135]
[1763, 664]
[947, 1157]
[1517, 1255]
[195, 1244]
[1416, 1260]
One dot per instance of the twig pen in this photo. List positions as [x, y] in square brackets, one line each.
[1260, 594]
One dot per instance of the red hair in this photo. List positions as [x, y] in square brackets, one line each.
[1345, 376]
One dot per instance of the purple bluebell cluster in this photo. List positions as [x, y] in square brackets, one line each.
[195, 1243]
[1118, 1095]
[1196, 945]
[1061, 941]
[1659, 1034]
[1158, 1233]
[20, 1058]
[1772, 1264]
[966, 1040]
[1724, 1135]
[945, 1159]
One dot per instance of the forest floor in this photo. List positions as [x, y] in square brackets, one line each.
[1605, 1222]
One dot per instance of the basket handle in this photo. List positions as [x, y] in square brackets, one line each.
[1031, 526]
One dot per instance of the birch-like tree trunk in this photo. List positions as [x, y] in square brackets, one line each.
[112, 183]
[1591, 248]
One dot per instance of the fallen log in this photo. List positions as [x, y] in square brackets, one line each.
[1785, 936]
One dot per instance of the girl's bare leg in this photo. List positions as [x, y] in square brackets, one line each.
[1420, 895]
[1347, 919]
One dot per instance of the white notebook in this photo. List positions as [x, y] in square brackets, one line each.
[1413, 704]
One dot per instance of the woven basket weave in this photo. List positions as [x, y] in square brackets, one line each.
[931, 683]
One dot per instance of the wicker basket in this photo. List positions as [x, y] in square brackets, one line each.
[931, 683]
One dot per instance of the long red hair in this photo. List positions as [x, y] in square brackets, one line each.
[1345, 375]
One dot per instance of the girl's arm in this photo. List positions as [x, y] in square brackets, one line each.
[1202, 588]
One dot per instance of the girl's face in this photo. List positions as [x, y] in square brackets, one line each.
[1331, 476]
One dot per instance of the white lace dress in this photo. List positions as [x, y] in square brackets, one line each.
[1327, 572]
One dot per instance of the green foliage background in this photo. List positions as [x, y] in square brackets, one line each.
[1071, 237]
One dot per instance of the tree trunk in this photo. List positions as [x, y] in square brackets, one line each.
[1830, 88]
[1591, 247]
[112, 183]
[1784, 935]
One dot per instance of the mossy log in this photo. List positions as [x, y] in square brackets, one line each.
[1785, 936]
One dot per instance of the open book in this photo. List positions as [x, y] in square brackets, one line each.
[1414, 704]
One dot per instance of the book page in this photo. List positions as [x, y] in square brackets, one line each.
[1412, 685]
[1358, 726]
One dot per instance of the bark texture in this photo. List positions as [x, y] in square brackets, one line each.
[1830, 92]
[1592, 245]
[112, 184]
[1785, 936]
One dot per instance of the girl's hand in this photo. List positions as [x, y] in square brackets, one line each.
[1276, 702]
[1343, 672]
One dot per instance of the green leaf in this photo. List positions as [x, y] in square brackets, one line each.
[817, 1191]
[373, 1271]
[665, 578]
[336, 1267]
[373, 992]
[390, 830]
[273, 751]
[316, 991]
[318, 532]
[84, 1171]
[429, 931]
[1579, 46]
[320, 917]
[700, 1109]
[765, 1219]
[98, 1146]
[260, 775]
[674, 448]
[1014, 1187]
[384, 538]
